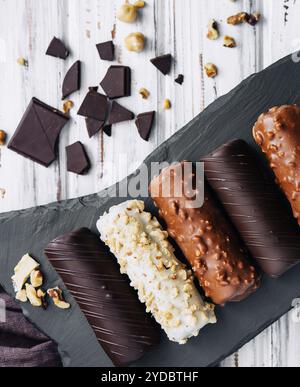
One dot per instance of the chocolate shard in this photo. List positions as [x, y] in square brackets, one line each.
[95, 105]
[37, 134]
[57, 49]
[255, 205]
[93, 126]
[180, 79]
[119, 114]
[106, 51]
[72, 80]
[107, 130]
[110, 305]
[163, 63]
[77, 159]
[117, 82]
[144, 123]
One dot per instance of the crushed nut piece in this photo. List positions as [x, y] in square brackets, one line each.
[127, 13]
[211, 70]
[229, 42]
[239, 18]
[56, 295]
[253, 18]
[42, 295]
[3, 137]
[22, 296]
[167, 104]
[135, 42]
[36, 278]
[144, 93]
[139, 4]
[213, 30]
[22, 62]
[67, 106]
[32, 296]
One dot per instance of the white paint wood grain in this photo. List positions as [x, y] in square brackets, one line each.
[175, 26]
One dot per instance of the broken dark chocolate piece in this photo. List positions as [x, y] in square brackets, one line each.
[119, 114]
[72, 80]
[106, 50]
[95, 105]
[77, 159]
[93, 88]
[144, 123]
[38, 132]
[92, 275]
[57, 49]
[107, 130]
[117, 82]
[180, 79]
[163, 63]
[93, 126]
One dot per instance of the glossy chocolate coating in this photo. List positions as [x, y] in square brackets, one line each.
[255, 205]
[277, 132]
[111, 306]
[208, 241]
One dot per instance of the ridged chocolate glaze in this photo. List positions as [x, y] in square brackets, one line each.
[110, 305]
[277, 132]
[207, 239]
[255, 205]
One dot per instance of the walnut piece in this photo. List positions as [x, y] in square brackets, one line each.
[36, 278]
[213, 30]
[211, 70]
[57, 297]
[144, 93]
[229, 42]
[239, 18]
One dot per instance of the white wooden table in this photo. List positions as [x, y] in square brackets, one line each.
[176, 26]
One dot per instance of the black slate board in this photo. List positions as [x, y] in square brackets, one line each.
[230, 117]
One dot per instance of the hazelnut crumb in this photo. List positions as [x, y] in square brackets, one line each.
[67, 106]
[22, 62]
[213, 30]
[139, 4]
[239, 18]
[211, 70]
[229, 42]
[57, 297]
[167, 104]
[144, 93]
[3, 136]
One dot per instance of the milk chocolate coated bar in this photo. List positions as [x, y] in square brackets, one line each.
[208, 241]
[277, 132]
[254, 203]
[110, 305]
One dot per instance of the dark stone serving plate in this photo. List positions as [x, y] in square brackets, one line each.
[230, 117]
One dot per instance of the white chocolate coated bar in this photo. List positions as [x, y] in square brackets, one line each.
[163, 283]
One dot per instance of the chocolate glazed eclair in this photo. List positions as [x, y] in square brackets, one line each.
[255, 205]
[277, 132]
[110, 305]
[207, 239]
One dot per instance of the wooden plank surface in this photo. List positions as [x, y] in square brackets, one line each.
[175, 26]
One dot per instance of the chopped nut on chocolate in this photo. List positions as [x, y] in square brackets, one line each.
[211, 70]
[229, 42]
[239, 18]
[135, 42]
[56, 295]
[3, 136]
[167, 104]
[127, 13]
[32, 296]
[22, 62]
[213, 30]
[21, 296]
[36, 278]
[67, 106]
[144, 93]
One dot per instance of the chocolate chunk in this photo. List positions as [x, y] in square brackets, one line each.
[95, 105]
[106, 50]
[180, 79]
[255, 205]
[77, 159]
[144, 123]
[57, 49]
[93, 126]
[107, 130]
[117, 82]
[37, 133]
[93, 88]
[163, 63]
[72, 80]
[110, 305]
[119, 114]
